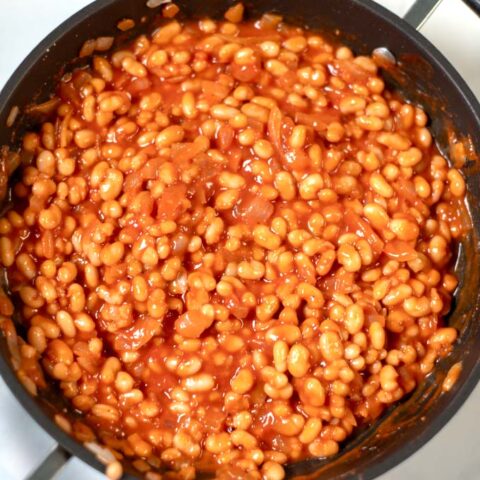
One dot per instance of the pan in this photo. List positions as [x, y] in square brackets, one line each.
[413, 67]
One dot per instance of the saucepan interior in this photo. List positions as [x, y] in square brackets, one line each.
[422, 76]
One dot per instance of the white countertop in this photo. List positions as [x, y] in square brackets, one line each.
[453, 454]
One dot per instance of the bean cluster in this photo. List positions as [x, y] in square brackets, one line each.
[231, 248]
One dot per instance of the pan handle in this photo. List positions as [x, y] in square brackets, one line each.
[51, 465]
[421, 11]
[474, 5]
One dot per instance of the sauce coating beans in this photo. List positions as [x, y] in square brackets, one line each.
[231, 247]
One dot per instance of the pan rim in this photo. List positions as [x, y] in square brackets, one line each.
[430, 52]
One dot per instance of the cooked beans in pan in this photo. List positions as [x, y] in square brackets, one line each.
[232, 247]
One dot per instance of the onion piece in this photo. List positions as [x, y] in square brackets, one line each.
[184, 152]
[253, 209]
[135, 337]
[406, 190]
[269, 20]
[12, 116]
[362, 228]
[9, 161]
[350, 72]
[193, 323]
[400, 251]
[275, 130]
[44, 108]
[319, 121]
[279, 128]
[103, 454]
[180, 284]
[338, 283]
[157, 3]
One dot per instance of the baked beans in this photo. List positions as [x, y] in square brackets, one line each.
[232, 246]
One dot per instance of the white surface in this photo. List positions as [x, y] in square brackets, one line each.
[23, 444]
[453, 454]
[455, 30]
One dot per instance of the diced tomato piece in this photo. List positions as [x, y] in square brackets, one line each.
[172, 203]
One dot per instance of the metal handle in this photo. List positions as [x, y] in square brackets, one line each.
[474, 5]
[54, 462]
[422, 10]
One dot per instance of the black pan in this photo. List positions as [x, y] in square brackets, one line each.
[422, 75]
